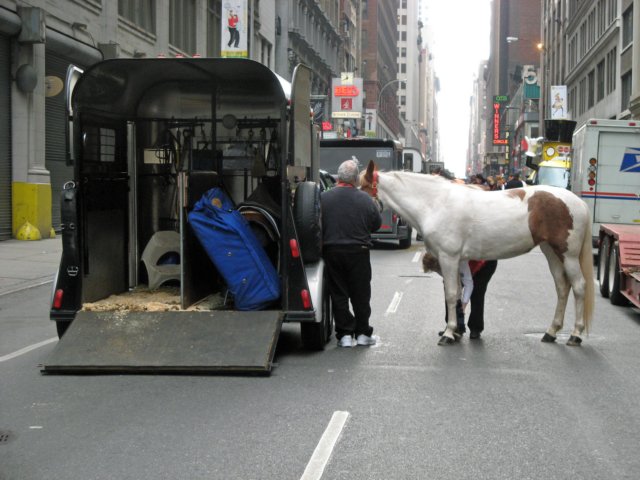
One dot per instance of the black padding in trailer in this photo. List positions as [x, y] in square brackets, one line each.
[167, 342]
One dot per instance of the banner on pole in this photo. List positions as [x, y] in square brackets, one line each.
[235, 29]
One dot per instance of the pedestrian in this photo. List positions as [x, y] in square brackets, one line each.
[491, 183]
[346, 244]
[475, 276]
[514, 182]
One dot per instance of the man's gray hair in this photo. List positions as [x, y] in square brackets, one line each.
[348, 172]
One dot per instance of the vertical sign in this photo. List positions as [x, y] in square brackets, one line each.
[558, 102]
[499, 101]
[370, 122]
[235, 29]
[346, 96]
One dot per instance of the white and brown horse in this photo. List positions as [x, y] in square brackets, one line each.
[459, 222]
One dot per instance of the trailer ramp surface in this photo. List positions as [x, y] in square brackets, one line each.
[168, 342]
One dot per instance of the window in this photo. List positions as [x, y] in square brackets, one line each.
[265, 53]
[403, 68]
[140, 12]
[182, 25]
[600, 81]
[611, 70]
[213, 28]
[582, 92]
[404, 19]
[403, 36]
[591, 80]
[403, 52]
[627, 27]
[625, 91]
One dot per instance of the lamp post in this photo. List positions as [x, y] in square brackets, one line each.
[390, 82]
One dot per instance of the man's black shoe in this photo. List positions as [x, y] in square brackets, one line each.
[474, 334]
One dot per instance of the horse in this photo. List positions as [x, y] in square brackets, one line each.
[457, 222]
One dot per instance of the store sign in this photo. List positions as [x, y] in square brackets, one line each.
[499, 102]
[346, 96]
[326, 126]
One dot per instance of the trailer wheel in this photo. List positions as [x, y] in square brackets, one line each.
[603, 266]
[615, 297]
[316, 335]
[61, 327]
[306, 214]
[405, 243]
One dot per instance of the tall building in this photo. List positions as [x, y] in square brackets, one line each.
[410, 71]
[379, 58]
[589, 48]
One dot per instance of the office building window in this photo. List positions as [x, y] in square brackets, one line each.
[600, 80]
[182, 25]
[611, 70]
[582, 92]
[627, 27]
[591, 80]
[140, 12]
[625, 91]
[213, 28]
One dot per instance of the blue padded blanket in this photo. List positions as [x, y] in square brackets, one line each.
[235, 251]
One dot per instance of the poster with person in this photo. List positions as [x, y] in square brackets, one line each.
[559, 102]
[234, 29]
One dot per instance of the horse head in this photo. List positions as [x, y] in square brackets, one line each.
[369, 180]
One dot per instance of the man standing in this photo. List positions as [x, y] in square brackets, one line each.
[348, 218]
[514, 182]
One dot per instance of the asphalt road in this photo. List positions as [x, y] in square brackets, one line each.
[504, 407]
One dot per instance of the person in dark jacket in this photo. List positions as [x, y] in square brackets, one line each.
[349, 216]
[514, 182]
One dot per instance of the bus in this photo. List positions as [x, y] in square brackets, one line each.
[387, 154]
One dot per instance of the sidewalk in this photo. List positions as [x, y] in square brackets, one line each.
[25, 264]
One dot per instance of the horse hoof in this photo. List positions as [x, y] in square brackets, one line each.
[574, 341]
[548, 338]
[445, 341]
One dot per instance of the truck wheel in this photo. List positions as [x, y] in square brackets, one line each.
[615, 297]
[307, 218]
[603, 266]
[316, 335]
[405, 243]
[61, 327]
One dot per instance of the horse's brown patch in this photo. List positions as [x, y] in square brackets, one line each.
[550, 221]
[516, 192]
[430, 263]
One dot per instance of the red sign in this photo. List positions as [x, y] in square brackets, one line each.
[326, 126]
[496, 126]
[346, 91]
[346, 104]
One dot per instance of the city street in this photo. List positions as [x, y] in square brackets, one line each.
[503, 407]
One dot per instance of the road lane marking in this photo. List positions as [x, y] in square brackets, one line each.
[24, 350]
[393, 306]
[322, 453]
[416, 257]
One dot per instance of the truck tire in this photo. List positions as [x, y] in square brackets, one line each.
[405, 243]
[316, 335]
[603, 266]
[308, 221]
[615, 297]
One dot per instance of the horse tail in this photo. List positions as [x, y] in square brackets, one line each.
[586, 265]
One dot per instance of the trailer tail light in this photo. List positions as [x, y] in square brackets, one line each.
[591, 176]
[306, 299]
[295, 250]
[57, 298]
[394, 218]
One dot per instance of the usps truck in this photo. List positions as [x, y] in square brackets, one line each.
[606, 171]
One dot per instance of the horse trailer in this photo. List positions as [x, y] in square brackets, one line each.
[194, 190]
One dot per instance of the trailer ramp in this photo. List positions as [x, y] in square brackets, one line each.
[168, 342]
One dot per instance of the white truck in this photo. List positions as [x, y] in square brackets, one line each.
[606, 171]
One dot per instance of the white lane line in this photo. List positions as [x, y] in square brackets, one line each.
[322, 453]
[393, 306]
[416, 257]
[24, 350]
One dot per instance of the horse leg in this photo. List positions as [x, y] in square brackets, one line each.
[451, 279]
[562, 290]
[578, 284]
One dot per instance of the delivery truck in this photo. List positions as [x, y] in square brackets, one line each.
[605, 171]
[191, 227]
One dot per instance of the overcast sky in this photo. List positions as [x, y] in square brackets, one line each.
[458, 32]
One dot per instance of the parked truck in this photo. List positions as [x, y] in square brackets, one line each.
[605, 171]
[153, 142]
